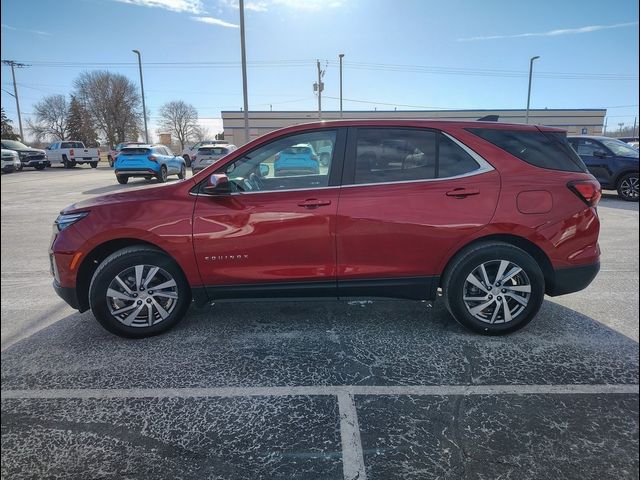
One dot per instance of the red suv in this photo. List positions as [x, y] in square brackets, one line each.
[491, 216]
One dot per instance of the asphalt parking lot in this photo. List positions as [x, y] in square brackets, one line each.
[322, 390]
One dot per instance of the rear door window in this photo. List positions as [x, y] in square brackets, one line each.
[385, 155]
[549, 150]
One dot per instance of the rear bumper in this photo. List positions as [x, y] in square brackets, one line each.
[69, 295]
[572, 279]
[136, 172]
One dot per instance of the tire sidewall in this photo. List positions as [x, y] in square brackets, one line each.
[460, 272]
[118, 262]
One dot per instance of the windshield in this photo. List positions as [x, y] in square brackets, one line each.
[620, 149]
[13, 145]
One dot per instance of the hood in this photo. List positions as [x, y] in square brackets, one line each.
[134, 195]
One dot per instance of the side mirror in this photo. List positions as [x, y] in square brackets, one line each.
[264, 170]
[600, 154]
[217, 184]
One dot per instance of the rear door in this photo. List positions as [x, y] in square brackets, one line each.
[400, 213]
[596, 157]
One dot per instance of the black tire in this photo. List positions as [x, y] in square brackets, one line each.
[122, 179]
[162, 176]
[628, 187]
[187, 160]
[65, 162]
[119, 262]
[94, 164]
[490, 253]
[183, 172]
[110, 160]
[40, 167]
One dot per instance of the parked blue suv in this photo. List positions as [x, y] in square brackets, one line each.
[297, 160]
[613, 162]
[148, 161]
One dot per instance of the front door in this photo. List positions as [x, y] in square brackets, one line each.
[275, 234]
[597, 159]
[408, 195]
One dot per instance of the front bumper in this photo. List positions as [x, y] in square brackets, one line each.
[35, 163]
[572, 279]
[68, 294]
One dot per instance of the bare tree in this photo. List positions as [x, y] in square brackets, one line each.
[113, 102]
[181, 120]
[50, 118]
[201, 133]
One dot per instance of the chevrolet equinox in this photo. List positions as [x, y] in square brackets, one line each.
[490, 216]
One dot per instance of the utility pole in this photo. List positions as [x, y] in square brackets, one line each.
[13, 65]
[243, 52]
[606, 119]
[341, 56]
[319, 87]
[529, 92]
[144, 106]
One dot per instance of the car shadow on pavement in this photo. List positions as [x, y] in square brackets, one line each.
[611, 200]
[322, 343]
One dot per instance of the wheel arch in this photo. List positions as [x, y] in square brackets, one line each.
[527, 245]
[96, 256]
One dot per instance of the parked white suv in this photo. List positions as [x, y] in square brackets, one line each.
[208, 154]
[72, 153]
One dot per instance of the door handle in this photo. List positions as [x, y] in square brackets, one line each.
[313, 203]
[462, 192]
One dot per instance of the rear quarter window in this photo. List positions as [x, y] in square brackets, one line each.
[549, 150]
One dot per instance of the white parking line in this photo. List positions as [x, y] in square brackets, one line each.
[352, 456]
[428, 390]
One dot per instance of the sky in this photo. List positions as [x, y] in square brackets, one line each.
[404, 54]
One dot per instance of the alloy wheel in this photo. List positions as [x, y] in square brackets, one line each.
[142, 296]
[629, 187]
[496, 291]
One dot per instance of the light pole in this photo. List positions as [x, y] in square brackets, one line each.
[144, 107]
[341, 56]
[243, 52]
[529, 92]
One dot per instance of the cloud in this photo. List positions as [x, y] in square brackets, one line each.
[214, 21]
[263, 5]
[187, 6]
[552, 33]
[37, 32]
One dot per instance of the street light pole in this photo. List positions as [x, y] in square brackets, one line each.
[144, 106]
[529, 92]
[13, 65]
[244, 73]
[341, 56]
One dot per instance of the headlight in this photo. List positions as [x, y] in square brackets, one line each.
[66, 220]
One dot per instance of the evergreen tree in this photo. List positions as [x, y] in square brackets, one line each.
[79, 124]
[7, 128]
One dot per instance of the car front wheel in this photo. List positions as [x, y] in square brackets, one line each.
[139, 292]
[628, 187]
[494, 288]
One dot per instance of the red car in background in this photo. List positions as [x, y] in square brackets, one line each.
[490, 216]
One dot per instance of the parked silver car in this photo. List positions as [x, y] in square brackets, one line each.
[209, 154]
[10, 161]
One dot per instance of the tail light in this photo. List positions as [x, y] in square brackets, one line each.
[72, 152]
[589, 191]
[153, 158]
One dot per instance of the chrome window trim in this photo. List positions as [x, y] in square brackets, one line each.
[483, 167]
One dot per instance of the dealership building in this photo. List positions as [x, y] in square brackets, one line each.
[574, 121]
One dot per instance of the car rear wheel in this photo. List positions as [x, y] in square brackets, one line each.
[122, 179]
[138, 292]
[94, 164]
[40, 167]
[494, 288]
[162, 176]
[628, 187]
[183, 172]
